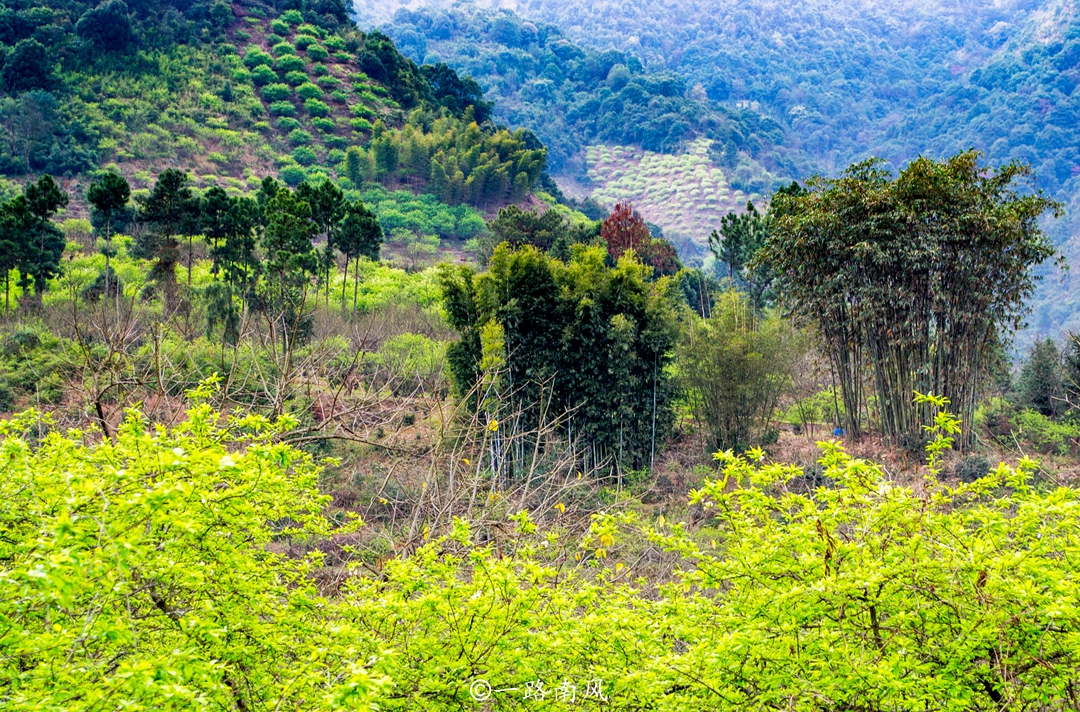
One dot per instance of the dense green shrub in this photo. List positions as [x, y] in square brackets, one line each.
[287, 123]
[324, 125]
[276, 92]
[292, 175]
[254, 56]
[210, 506]
[282, 108]
[289, 63]
[362, 111]
[308, 90]
[299, 137]
[315, 107]
[1045, 435]
[263, 74]
[972, 468]
[302, 42]
[279, 26]
[304, 155]
[317, 53]
[408, 364]
[283, 48]
[293, 17]
[155, 558]
[296, 78]
[735, 367]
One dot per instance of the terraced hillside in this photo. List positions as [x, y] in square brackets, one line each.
[686, 194]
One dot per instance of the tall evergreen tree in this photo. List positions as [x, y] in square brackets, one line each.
[290, 261]
[41, 258]
[14, 235]
[108, 197]
[214, 209]
[168, 212]
[1042, 383]
[328, 205]
[359, 234]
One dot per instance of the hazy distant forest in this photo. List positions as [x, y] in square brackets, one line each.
[598, 356]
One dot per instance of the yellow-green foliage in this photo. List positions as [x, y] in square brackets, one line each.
[147, 572]
[207, 110]
[139, 573]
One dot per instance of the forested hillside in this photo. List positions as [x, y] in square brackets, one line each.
[843, 81]
[236, 92]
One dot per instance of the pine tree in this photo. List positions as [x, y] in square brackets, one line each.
[328, 205]
[1042, 385]
[108, 197]
[290, 260]
[213, 221]
[44, 199]
[357, 235]
[168, 212]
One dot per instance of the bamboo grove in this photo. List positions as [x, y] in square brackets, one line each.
[914, 280]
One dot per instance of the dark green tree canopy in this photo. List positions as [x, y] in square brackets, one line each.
[28, 67]
[456, 93]
[580, 342]
[108, 197]
[107, 26]
[44, 199]
[359, 233]
[916, 278]
[527, 227]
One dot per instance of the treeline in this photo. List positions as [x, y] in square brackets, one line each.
[916, 288]
[571, 96]
[265, 249]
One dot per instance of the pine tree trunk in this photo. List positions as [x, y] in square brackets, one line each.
[344, 283]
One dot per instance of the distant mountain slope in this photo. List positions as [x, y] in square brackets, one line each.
[571, 96]
[859, 78]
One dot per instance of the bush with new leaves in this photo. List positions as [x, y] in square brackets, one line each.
[139, 572]
[142, 572]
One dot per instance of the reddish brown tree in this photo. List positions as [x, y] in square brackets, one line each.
[624, 230]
